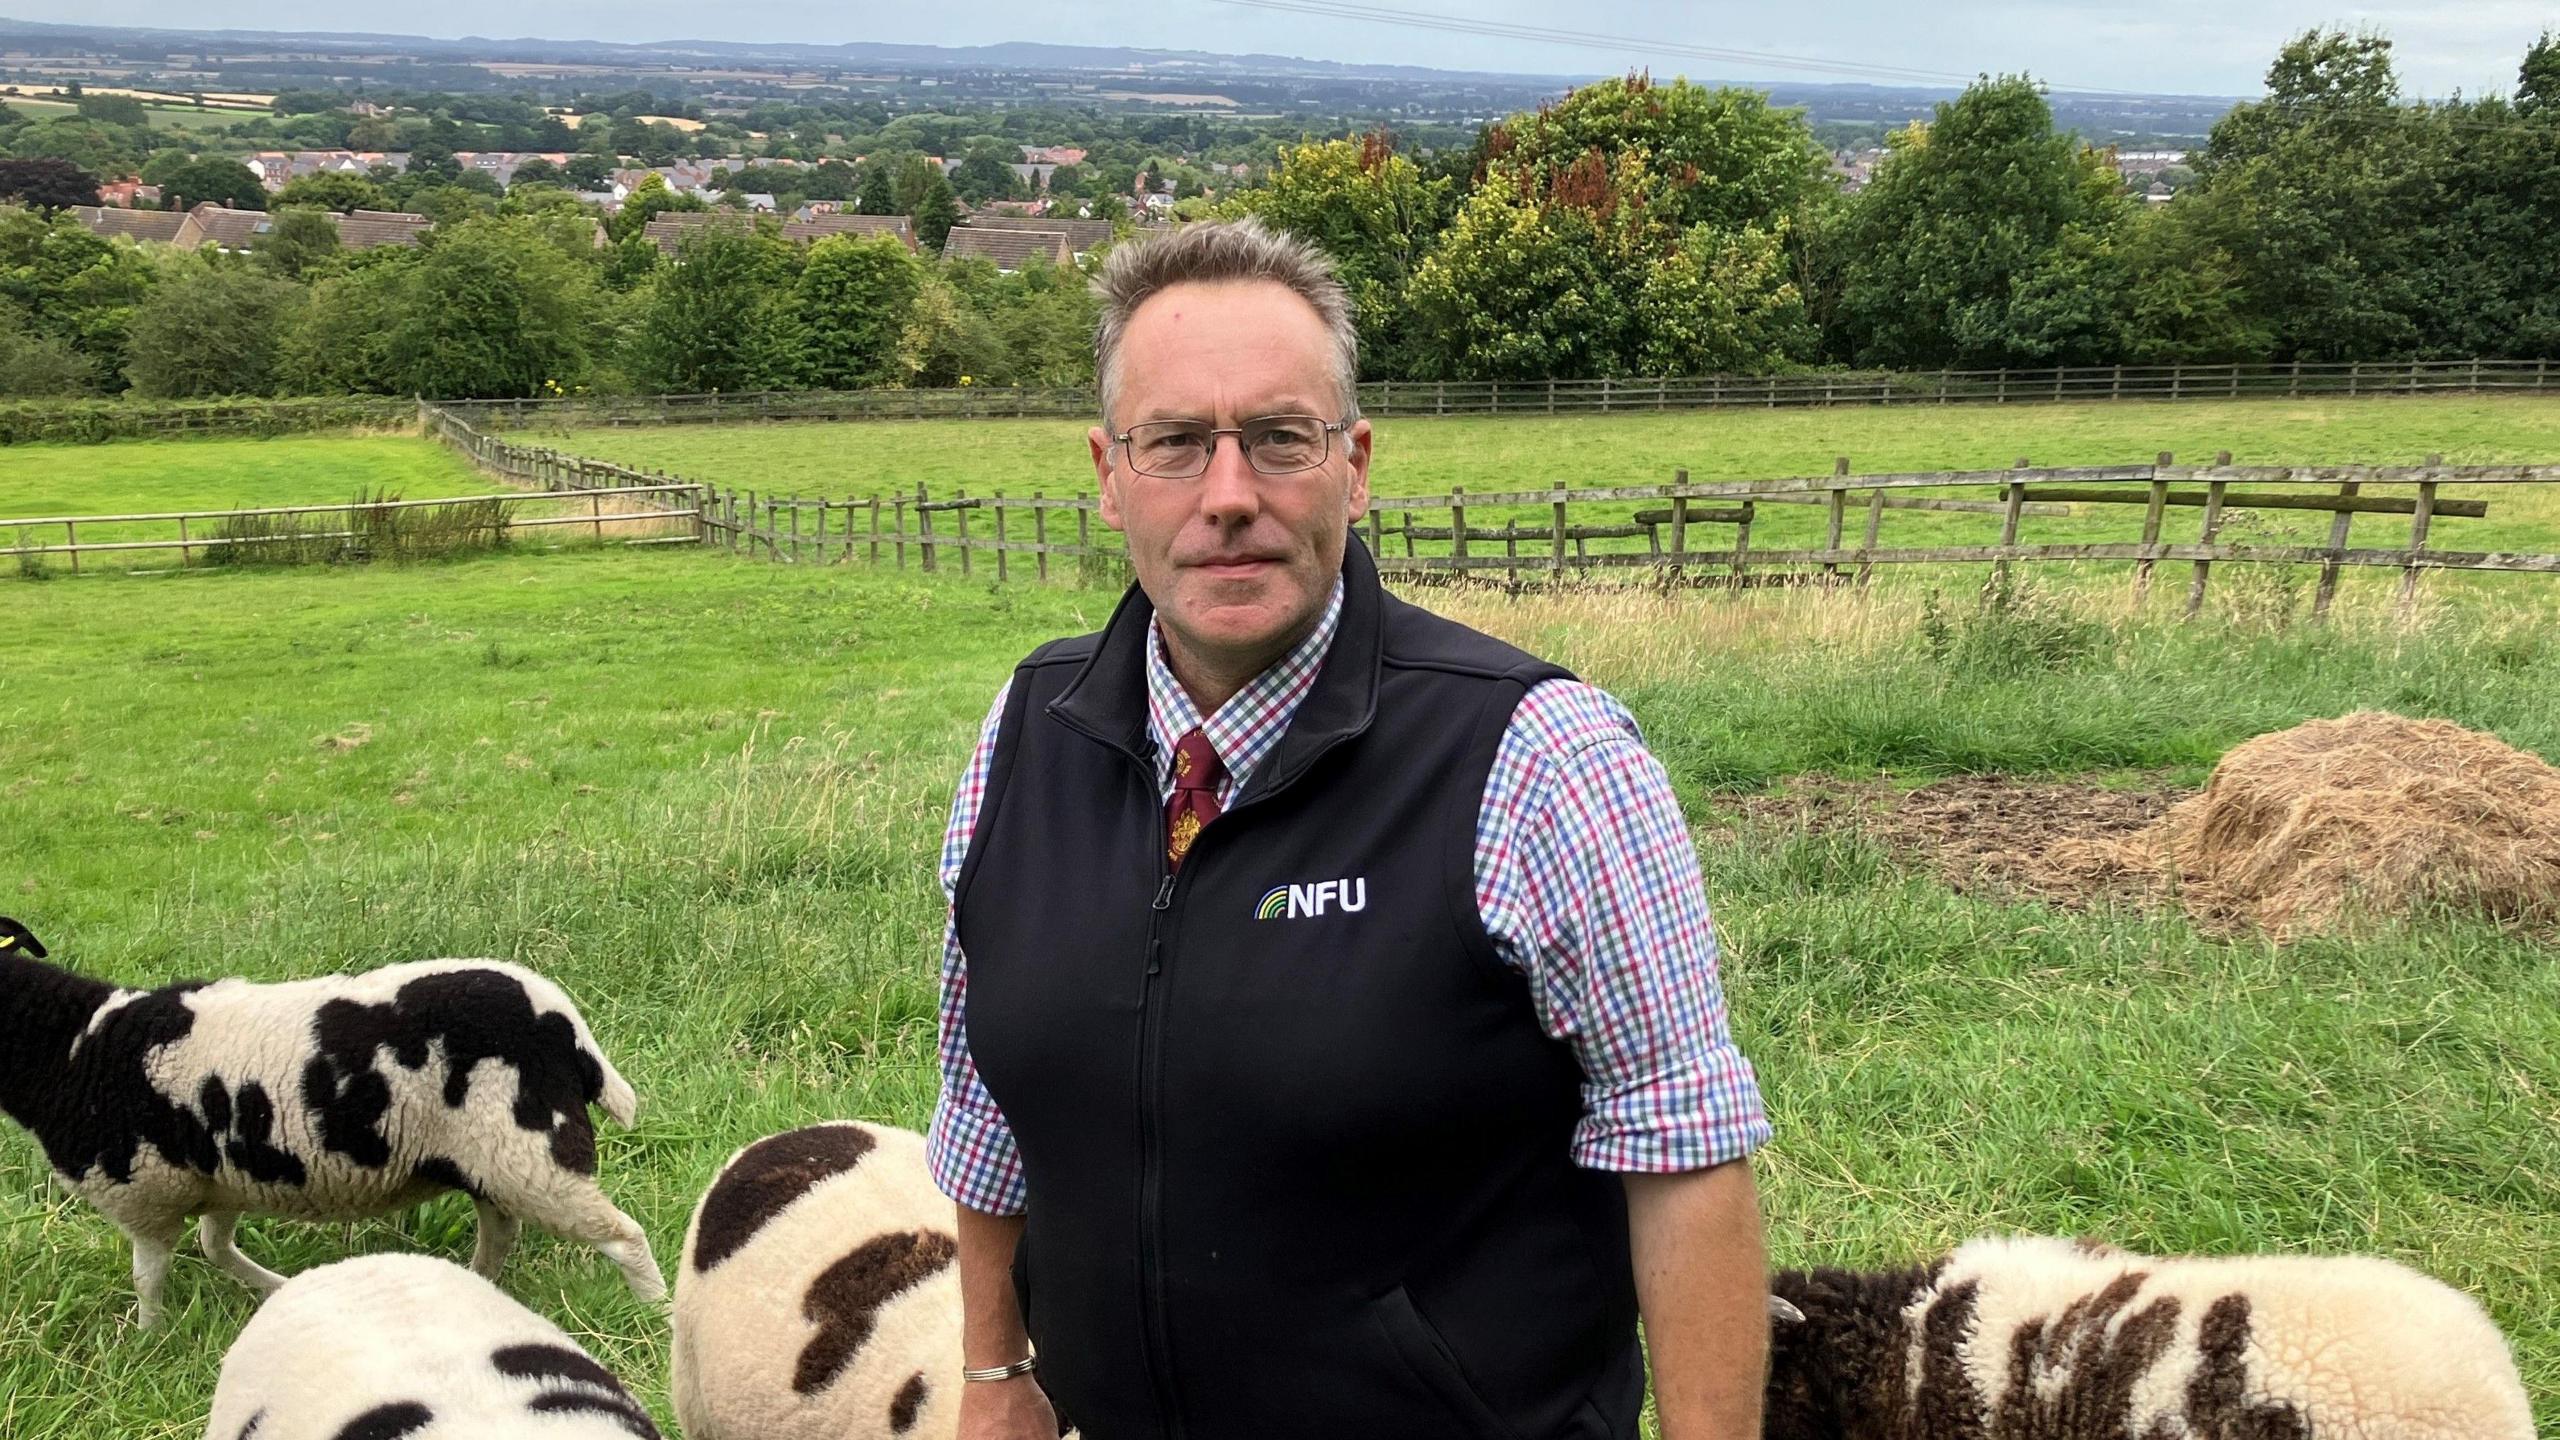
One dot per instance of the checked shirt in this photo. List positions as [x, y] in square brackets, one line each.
[1585, 879]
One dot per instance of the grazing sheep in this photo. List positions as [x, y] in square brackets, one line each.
[2042, 1339]
[406, 1347]
[333, 1098]
[817, 1298]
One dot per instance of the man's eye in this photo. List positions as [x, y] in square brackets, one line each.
[1286, 435]
[1171, 442]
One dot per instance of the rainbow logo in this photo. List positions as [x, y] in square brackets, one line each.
[1297, 902]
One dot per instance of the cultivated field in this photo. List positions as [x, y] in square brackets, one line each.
[705, 794]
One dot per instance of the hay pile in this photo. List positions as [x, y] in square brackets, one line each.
[2373, 815]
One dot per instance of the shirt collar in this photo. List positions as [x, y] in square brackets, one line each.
[1247, 728]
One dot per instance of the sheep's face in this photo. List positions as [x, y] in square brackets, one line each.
[16, 940]
[1803, 1400]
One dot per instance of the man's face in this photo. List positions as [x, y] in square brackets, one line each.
[1237, 564]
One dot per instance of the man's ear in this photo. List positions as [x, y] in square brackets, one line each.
[14, 940]
[1105, 476]
[1358, 444]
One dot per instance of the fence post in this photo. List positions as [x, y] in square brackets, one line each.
[898, 518]
[71, 537]
[1551, 394]
[186, 556]
[1001, 570]
[1679, 525]
[1875, 527]
[2339, 525]
[1084, 534]
[968, 566]
[1458, 528]
[2212, 527]
[2118, 392]
[702, 503]
[595, 514]
[1556, 565]
[1838, 511]
[2016, 500]
[2151, 517]
[1377, 531]
[1742, 542]
[795, 511]
[2004, 386]
[2418, 523]
[924, 533]
[1604, 394]
[1040, 537]
[875, 529]
[2293, 387]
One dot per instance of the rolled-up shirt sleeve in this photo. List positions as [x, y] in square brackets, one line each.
[969, 1147]
[1588, 883]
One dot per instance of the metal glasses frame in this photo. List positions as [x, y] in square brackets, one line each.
[1209, 457]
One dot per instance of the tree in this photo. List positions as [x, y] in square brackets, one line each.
[876, 197]
[648, 200]
[72, 286]
[536, 173]
[495, 309]
[986, 173]
[212, 178]
[300, 242]
[924, 192]
[1952, 251]
[1514, 291]
[852, 300]
[34, 365]
[719, 318]
[1722, 301]
[588, 172]
[1370, 209]
[343, 340]
[1725, 157]
[432, 163]
[213, 329]
[2318, 192]
[47, 184]
[332, 190]
[948, 340]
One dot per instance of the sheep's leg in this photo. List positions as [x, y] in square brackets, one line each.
[497, 1240]
[155, 1244]
[219, 1233]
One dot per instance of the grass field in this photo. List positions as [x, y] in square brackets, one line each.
[705, 794]
[146, 477]
[1431, 456]
[162, 117]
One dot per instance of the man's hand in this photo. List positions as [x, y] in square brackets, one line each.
[1703, 1284]
[992, 1334]
[1006, 1410]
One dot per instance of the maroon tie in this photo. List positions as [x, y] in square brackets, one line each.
[1196, 773]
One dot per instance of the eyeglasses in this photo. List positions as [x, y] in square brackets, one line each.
[1272, 445]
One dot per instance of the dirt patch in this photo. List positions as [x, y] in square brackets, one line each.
[1988, 835]
[2369, 816]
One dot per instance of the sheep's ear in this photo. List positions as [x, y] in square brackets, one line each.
[14, 940]
[1782, 1311]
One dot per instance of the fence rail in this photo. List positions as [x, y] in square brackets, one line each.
[1546, 535]
[1589, 397]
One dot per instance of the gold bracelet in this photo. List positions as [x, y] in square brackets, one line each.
[1023, 1366]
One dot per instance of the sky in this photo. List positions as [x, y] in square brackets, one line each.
[2208, 47]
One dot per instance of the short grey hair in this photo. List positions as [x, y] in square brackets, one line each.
[1214, 252]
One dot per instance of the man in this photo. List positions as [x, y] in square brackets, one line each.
[1332, 1042]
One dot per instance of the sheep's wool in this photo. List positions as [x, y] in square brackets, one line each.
[819, 1296]
[2045, 1330]
[403, 1347]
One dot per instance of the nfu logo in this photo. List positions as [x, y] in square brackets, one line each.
[1299, 902]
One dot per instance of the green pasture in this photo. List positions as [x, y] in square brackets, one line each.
[168, 117]
[706, 793]
[159, 476]
[1423, 456]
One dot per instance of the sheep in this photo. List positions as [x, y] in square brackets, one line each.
[817, 1297]
[407, 1347]
[2034, 1338]
[339, 1097]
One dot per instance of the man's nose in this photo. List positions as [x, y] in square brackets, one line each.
[1229, 492]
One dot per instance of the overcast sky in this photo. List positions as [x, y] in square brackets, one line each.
[2178, 46]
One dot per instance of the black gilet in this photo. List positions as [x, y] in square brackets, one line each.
[1296, 1148]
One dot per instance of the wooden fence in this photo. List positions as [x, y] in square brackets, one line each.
[194, 533]
[1594, 397]
[1814, 529]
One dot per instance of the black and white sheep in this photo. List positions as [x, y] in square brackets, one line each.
[2044, 1339]
[818, 1298]
[333, 1098]
[406, 1347]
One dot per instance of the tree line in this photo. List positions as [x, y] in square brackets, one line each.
[1630, 228]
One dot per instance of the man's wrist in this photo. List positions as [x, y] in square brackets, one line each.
[994, 1373]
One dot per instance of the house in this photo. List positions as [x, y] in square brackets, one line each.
[669, 231]
[1010, 250]
[1083, 236]
[366, 109]
[128, 192]
[373, 229]
[1052, 155]
[239, 231]
[109, 221]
